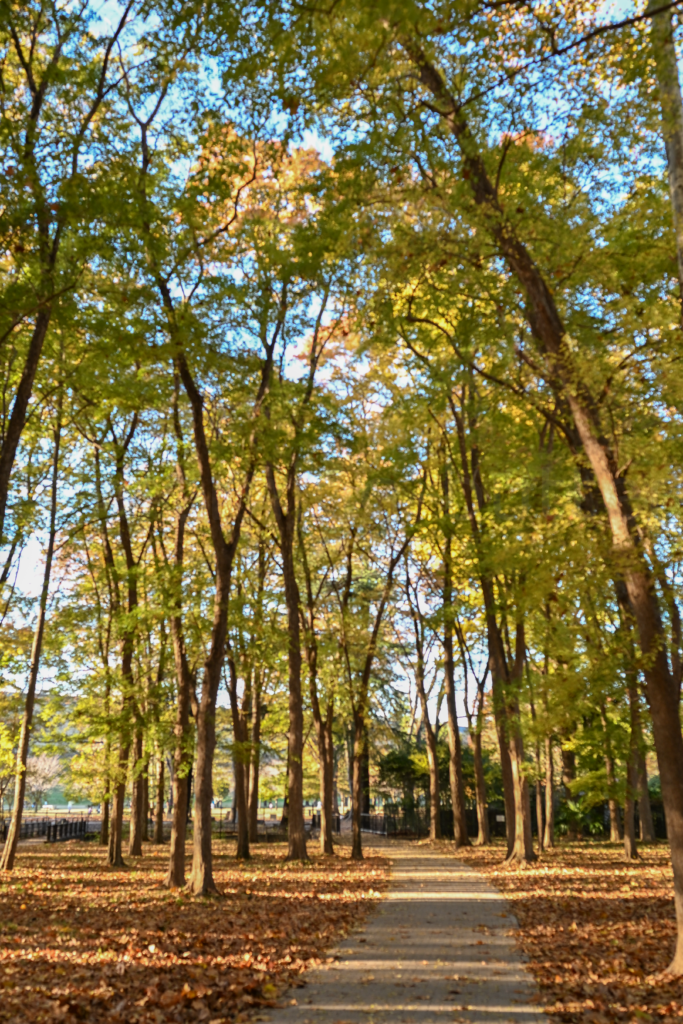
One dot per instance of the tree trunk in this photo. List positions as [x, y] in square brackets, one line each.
[615, 835]
[630, 850]
[286, 522]
[201, 881]
[159, 809]
[357, 786]
[239, 733]
[539, 802]
[483, 834]
[12, 433]
[434, 794]
[104, 830]
[647, 828]
[255, 757]
[568, 778]
[327, 785]
[175, 878]
[137, 801]
[145, 803]
[523, 846]
[549, 831]
[115, 851]
[460, 835]
[432, 758]
[10, 847]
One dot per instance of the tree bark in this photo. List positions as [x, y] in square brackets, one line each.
[17, 420]
[158, 837]
[549, 831]
[483, 833]
[323, 726]
[357, 786]
[615, 835]
[239, 733]
[630, 849]
[286, 522]
[460, 836]
[568, 778]
[10, 847]
[327, 784]
[104, 830]
[412, 597]
[201, 881]
[255, 757]
[137, 801]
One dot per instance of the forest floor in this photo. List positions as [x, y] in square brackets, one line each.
[598, 931]
[82, 942]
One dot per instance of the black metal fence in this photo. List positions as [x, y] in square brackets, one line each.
[336, 822]
[414, 824]
[31, 828]
[57, 831]
[52, 830]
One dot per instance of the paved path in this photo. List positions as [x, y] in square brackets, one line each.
[439, 948]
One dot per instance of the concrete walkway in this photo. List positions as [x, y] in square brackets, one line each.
[439, 948]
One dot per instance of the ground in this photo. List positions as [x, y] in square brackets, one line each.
[598, 931]
[82, 942]
[79, 941]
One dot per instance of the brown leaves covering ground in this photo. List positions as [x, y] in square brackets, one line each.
[83, 942]
[598, 931]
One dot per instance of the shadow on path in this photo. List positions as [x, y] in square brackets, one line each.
[439, 948]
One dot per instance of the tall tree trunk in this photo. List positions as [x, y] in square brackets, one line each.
[615, 835]
[357, 785]
[145, 803]
[10, 848]
[539, 800]
[327, 784]
[323, 726]
[647, 827]
[137, 801]
[17, 419]
[115, 857]
[286, 522]
[483, 833]
[460, 835]
[201, 881]
[430, 736]
[115, 851]
[549, 831]
[104, 830]
[630, 849]
[523, 847]
[255, 757]
[159, 808]
[472, 487]
[182, 760]
[239, 756]
[433, 763]
[568, 779]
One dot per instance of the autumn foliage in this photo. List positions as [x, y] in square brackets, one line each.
[80, 942]
[598, 931]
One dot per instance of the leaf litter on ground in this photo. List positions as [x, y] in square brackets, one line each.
[80, 941]
[598, 931]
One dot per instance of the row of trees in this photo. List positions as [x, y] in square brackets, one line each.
[356, 328]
